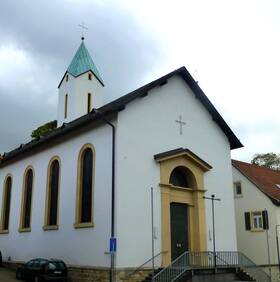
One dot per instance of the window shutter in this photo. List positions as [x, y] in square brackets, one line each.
[265, 220]
[247, 221]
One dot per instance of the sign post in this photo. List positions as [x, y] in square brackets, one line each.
[213, 222]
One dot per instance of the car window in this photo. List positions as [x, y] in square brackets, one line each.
[43, 262]
[56, 265]
[30, 263]
[36, 264]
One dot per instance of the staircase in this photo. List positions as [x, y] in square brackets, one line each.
[193, 262]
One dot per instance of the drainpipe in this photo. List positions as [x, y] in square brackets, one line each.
[113, 189]
[277, 242]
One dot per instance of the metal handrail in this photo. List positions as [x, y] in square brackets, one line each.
[210, 260]
[176, 269]
[141, 267]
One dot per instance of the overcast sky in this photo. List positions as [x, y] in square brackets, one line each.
[231, 47]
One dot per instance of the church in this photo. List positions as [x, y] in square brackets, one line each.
[64, 195]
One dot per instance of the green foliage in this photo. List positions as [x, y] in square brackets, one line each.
[270, 160]
[44, 129]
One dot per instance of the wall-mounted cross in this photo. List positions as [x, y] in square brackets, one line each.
[83, 27]
[181, 123]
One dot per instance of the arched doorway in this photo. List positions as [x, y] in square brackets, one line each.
[181, 177]
[182, 205]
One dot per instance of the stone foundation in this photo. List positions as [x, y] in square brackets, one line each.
[79, 274]
[88, 274]
[96, 274]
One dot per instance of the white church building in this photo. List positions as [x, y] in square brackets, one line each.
[57, 197]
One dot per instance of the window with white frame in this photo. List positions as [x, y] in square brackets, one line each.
[257, 220]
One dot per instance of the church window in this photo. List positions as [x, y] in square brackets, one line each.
[25, 223]
[89, 76]
[6, 204]
[89, 103]
[52, 194]
[85, 184]
[65, 106]
[67, 77]
[183, 177]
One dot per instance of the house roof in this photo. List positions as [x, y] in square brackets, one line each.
[81, 63]
[265, 179]
[120, 104]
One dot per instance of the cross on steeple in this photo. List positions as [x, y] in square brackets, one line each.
[181, 123]
[83, 27]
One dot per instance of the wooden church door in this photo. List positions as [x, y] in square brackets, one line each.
[179, 229]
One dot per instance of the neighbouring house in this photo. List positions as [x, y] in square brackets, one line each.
[257, 211]
[57, 198]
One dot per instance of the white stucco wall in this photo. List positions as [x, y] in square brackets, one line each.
[76, 246]
[146, 127]
[77, 89]
[252, 243]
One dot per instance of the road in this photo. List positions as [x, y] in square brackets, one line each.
[7, 275]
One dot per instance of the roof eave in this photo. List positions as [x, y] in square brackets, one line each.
[273, 200]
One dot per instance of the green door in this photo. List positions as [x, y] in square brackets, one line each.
[179, 229]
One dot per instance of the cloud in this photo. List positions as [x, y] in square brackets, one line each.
[230, 47]
[38, 42]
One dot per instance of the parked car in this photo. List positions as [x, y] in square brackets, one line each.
[39, 270]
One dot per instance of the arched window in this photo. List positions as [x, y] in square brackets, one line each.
[25, 224]
[183, 177]
[84, 210]
[53, 179]
[6, 203]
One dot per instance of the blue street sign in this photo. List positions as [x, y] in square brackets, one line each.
[113, 244]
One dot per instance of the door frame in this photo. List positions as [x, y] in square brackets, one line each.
[192, 196]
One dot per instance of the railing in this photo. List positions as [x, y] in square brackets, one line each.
[209, 260]
[176, 269]
[147, 266]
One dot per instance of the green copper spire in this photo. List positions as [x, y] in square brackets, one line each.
[82, 62]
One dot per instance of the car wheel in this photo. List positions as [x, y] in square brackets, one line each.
[18, 275]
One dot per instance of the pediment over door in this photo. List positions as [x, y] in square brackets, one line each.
[186, 161]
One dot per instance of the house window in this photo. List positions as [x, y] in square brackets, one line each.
[237, 189]
[85, 184]
[257, 220]
[65, 105]
[67, 77]
[89, 103]
[25, 222]
[6, 204]
[52, 194]
[89, 76]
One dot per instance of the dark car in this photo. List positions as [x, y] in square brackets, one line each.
[39, 269]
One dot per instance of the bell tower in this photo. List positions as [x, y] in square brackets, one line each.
[80, 89]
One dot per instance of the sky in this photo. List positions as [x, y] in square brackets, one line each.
[230, 47]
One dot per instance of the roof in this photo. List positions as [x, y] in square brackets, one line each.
[82, 62]
[265, 179]
[120, 104]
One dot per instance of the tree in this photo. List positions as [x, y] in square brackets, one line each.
[44, 129]
[270, 160]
